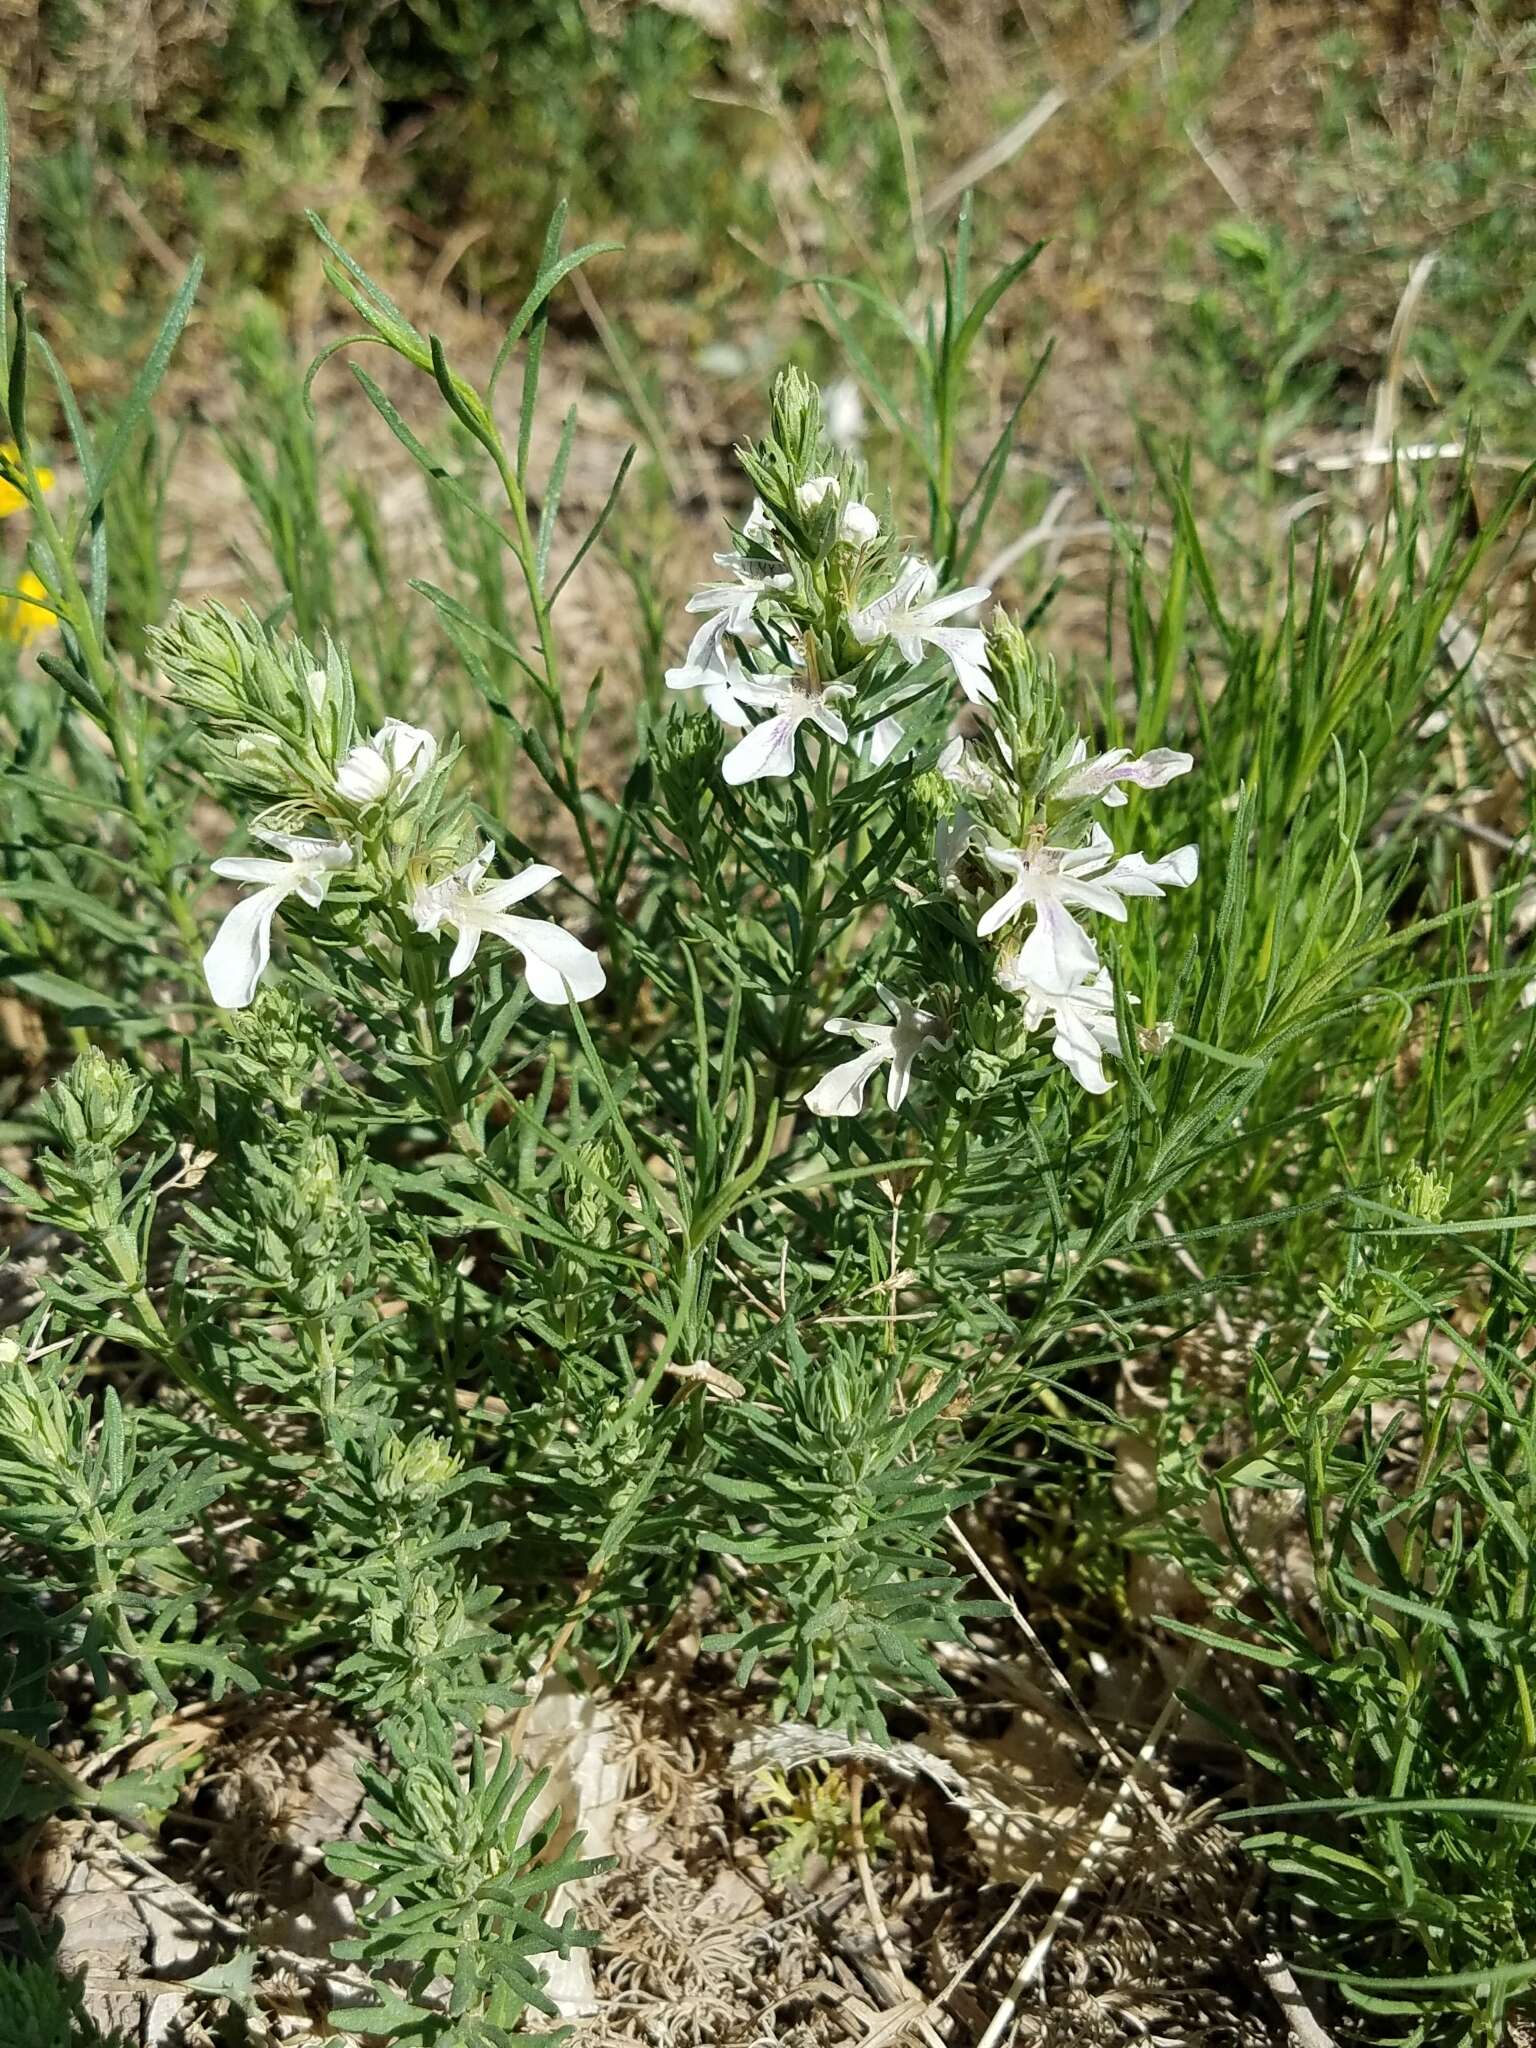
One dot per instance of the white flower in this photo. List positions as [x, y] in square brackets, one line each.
[1103, 776]
[855, 522]
[769, 748]
[242, 945]
[843, 406]
[1056, 880]
[911, 615]
[396, 758]
[758, 528]
[707, 667]
[753, 577]
[1083, 1014]
[962, 770]
[555, 962]
[841, 1091]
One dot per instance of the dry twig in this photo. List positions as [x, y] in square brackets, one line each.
[1305, 2030]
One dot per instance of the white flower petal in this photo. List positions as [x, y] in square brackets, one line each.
[840, 1092]
[363, 777]
[819, 711]
[768, 689]
[959, 765]
[768, 749]
[733, 605]
[244, 867]
[951, 837]
[1135, 875]
[1100, 893]
[465, 947]
[1058, 951]
[472, 874]
[720, 694]
[1007, 906]
[883, 741]
[1102, 777]
[324, 853]
[502, 895]
[557, 966]
[719, 675]
[965, 648]
[410, 749]
[1080, 1052]
[242, 946]
[397, 757]
[875, 1036]
[704, 649]
[1159, 766]
[757, 527]
[883, 614]
[899, 1079]
[955, 601]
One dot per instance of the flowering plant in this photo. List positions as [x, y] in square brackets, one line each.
[498, 1276]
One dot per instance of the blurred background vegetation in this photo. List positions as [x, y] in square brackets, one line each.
[1233, 192]
[1273, 230]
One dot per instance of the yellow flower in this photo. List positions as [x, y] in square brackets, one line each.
[21, 620]
[11, 499]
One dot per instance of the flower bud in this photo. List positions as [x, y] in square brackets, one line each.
[797, 423]
[421, 1467]
[97, 1103]
[815, 491]
[1420, 1191]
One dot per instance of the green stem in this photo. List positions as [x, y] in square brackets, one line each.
[526, 551]
[418, 970]
[812, 906]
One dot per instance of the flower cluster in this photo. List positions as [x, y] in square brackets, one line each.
[819, 621]
[370, 815]
[1056, 863]
[823, 624]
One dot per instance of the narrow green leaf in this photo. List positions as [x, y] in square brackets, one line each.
[145, 384]
[544, 284]
[594, 531]
[72, 999]
[549, 511]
